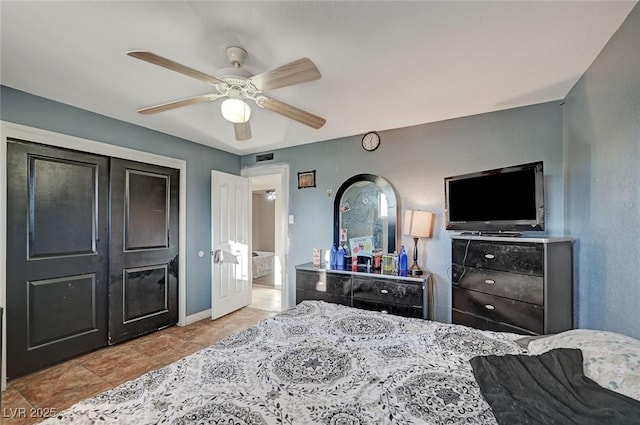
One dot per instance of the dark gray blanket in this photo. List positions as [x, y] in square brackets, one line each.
[549, 389]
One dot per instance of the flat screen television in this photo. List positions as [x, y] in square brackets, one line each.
[509, 199]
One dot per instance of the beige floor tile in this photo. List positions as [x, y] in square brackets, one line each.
[119, 363]
[60, 386]
[16, 410]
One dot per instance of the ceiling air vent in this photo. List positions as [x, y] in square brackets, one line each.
[264, 157]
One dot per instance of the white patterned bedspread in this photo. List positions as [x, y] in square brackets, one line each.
[317, 363]
[262, 263]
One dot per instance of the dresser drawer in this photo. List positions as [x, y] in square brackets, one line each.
[498, 309]
[505, 256]
[520, 287]
[321, 282]
[462, 318]
[395, 309]
[302, 294]
[388, 291]
[397, 295]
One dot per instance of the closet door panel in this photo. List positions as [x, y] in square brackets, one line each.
[56, 255]
[143, 270]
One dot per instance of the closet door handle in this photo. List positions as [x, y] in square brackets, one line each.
[489, 307]
[489, 256]
[489, 281]
[384, 291]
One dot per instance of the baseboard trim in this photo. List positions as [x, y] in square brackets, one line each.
[192, 318]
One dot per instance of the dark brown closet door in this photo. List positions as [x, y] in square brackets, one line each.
[143, 287]
[56, 255]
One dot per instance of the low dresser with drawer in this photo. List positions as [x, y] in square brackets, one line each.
[520, 285]
[399, 295]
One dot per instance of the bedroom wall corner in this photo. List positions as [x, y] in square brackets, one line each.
[602, 198]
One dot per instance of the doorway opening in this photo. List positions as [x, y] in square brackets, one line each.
[269, 235]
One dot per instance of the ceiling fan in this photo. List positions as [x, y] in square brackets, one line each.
[236, 85]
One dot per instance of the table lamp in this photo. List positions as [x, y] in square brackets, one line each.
[417, 224]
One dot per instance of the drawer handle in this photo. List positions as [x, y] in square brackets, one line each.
[489, 307]
[489, 256]
[384, 291]
[384, 312]
[489, 281]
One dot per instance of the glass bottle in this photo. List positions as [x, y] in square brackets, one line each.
[333, 257]
[403, 261]
[340, 258]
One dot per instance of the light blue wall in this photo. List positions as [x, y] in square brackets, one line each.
[602, 200]
[26, 109]
[415, 160]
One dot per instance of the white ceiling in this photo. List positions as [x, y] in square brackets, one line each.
[384, 65]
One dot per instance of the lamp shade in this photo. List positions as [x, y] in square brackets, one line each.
[235, 110]
[418, 223]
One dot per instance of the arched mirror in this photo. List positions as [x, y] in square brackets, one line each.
[365, 215]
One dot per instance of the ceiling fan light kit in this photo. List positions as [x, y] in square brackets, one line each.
[237, 86]
[235, 110]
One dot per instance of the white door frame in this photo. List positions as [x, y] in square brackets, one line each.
[18, 131]
[281, 226]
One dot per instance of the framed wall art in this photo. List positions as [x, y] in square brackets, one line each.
[306, 179]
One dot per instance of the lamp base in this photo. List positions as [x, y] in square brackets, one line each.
[415, 270]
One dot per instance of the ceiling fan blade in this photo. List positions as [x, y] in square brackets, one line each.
[242, 130]
[295, 72]
[173, 66]
[178, 104]
[292, 112]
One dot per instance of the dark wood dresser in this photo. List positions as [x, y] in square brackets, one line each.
[399, 295]
[520, 285]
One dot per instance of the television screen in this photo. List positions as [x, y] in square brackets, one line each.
[504, 199]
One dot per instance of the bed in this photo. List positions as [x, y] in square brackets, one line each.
[262, 263]
[321, 363]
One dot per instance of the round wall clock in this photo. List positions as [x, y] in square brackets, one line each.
[370, 141]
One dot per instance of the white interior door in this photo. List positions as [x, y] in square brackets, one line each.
[230, 243]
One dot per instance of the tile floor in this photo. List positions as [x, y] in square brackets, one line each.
[29, 399]
[266, 297]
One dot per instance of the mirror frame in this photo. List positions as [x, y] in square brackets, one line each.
[393, 208]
